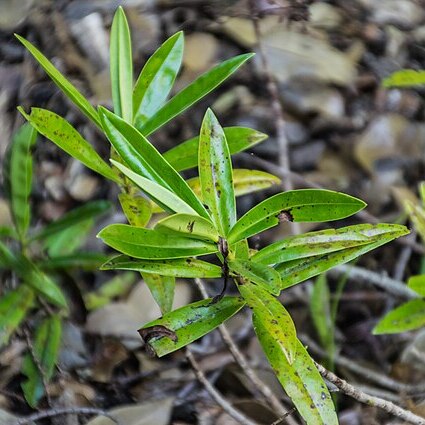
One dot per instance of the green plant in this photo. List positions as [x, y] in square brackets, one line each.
[409, 315]
[36, 256]
[201, 217]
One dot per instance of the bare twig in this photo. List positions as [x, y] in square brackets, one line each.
[216, 396]
[273, 91]
[65, 411]
[403, 260]
[363, 371]
[392, 286]
[246, 368]
[362, 397]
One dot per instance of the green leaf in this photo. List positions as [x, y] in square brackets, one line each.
[69, 90]
[192, 226]
[14, 306]
[151, 244]
[8, 232]
[320, 309]
[295, 271]
[74, 217]
[300, 379]
[121, 66]
[156, 79]
[305, 205]
[42, 283]
[417, 283]
[18, 177]
[405, 78]
[162, 290]
[250, 271]
[315, 243]
[143, 159]
[181, 267]
[46, 349]
[189, 323]
[115, 287]
[137, 209]
[408, 316]
[244, 182]
[215, 174]
[62, 134]
[80, 260]
[8, 259]
[159, 194]
[68, 240]
[185, 155]
[194, 92]
[268, 311]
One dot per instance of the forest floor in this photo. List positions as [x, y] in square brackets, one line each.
[343, 131]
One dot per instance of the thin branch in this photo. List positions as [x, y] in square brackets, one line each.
[273, 91]
[362, 397]
[392, 286]
[215, 395]
[363, 371]
[65, 411]
[245, 367]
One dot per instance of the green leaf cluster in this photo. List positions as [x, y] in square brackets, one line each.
[201, 218]
[37, 255]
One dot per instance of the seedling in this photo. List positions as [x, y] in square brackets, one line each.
[34, 258]
[201, 216]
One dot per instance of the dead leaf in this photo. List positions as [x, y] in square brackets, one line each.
[155, 412]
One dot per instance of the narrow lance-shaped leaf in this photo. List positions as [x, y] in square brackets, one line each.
[315, 243]
[194, 92]
[14, 306]
[245, 271]
[304, 205]
[68, 240]
[151, 244]
[144, 159]
[156, 79]
[186, 324]
[121, 66]
[270, 312]
[185, 155]
[408, 316]
[137, 209]
[192, 226]
[295, 271]
[244, 182]
[215, 174]
[405, 78]
[181, 267]
[62, 134]
[77, 215]
[79, 260]
[162, 289]
[46, 349]
[417, 283]
[300, 379]
[18, 176]
[69, 90]
[320, 309]
[159, 194]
